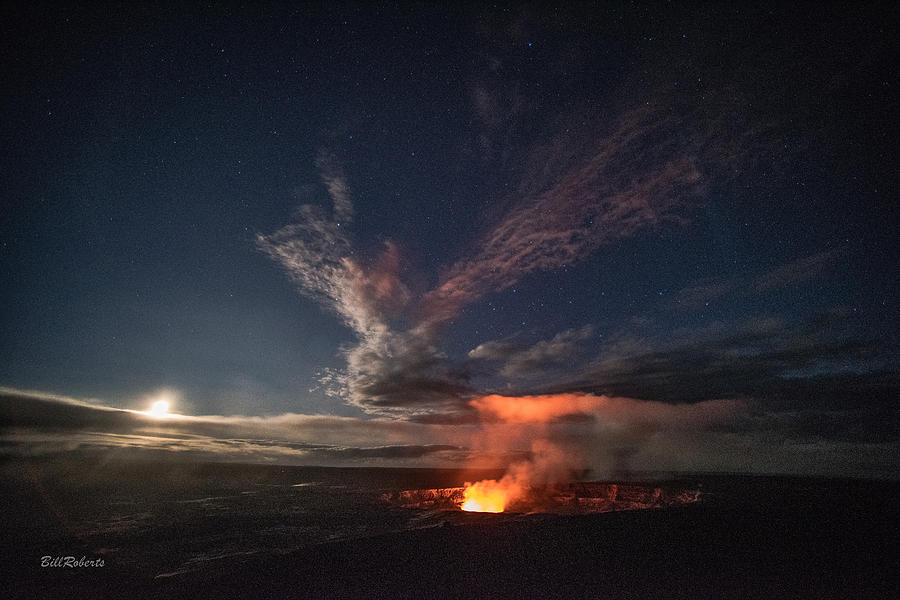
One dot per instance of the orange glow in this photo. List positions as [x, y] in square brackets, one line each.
[490, 495]
[626, 411]
[536, 409]
[547, 465]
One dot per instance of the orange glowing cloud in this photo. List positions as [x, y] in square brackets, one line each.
[547, 408]
[536, 409]
[624, 422]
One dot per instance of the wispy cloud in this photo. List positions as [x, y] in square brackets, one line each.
[630, 181]
[793, 273]
[521, 361]
[316, 251]
[336, 182]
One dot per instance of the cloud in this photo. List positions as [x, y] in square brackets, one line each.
[534, 360]
[793, 273]
[741, 386]
[562, 348]
[386, 369]
[389, 452]
[398, 374]
[606, 411]
[495, 350]
[336, 182]
[588, 181]
[591, 184]
[633, 179]
[605, 433]
[32, 422]
[806, 365]
[625, 434]
[535, 409]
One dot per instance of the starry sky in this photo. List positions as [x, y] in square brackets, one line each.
[660, 235]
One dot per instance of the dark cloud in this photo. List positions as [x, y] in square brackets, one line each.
[401, 375]
[521, 361]
[21, 409]
[388, 451]
[787, 369]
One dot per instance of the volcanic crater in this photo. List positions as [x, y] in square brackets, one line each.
[569, 498]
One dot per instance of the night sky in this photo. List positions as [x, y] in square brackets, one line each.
[660, 236]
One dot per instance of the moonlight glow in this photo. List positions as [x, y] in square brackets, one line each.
[159, 409]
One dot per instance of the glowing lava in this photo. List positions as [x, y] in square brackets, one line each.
[490, 495]
[492, 502]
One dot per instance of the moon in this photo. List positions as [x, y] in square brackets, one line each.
[159, 409]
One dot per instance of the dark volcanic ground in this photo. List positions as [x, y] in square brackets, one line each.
[249, 531]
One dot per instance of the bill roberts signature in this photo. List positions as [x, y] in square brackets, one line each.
[70, 561]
